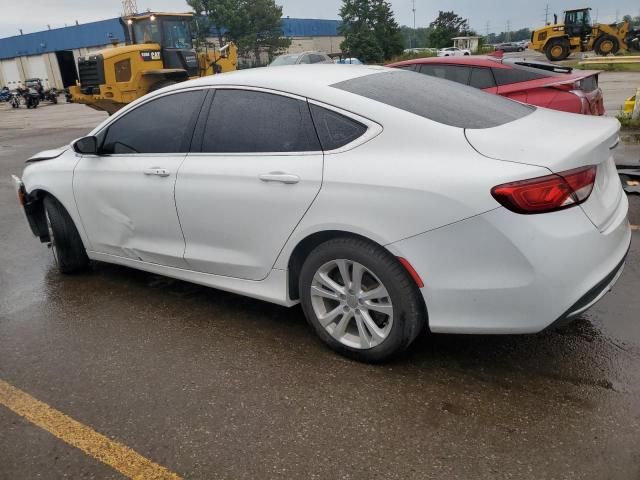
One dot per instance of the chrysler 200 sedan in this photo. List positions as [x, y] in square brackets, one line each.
[386, 202]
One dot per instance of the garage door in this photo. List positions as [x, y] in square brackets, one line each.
[10, 73]
[36, 68]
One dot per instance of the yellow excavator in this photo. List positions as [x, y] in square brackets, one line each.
[159, 52]
[577, 34]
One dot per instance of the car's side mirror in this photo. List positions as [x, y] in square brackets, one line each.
[86, 145]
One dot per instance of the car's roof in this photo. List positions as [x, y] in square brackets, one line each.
[475, 60]
[295, 79]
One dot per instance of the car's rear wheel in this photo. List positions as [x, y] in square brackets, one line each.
[360, 300]
[606, 44]
[65, 242]
[557, 49]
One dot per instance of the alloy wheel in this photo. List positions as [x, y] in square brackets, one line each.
[351, 304]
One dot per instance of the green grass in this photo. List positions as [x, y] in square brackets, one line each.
[411, 56]
[627, 123]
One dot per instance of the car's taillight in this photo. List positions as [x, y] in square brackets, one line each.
[548, 193]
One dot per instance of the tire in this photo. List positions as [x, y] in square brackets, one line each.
[397, 312]
[161, 84]
[557, 49]
[66, 244]
[606, 44]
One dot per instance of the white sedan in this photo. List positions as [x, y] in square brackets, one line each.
[453, 52]
[386, 202]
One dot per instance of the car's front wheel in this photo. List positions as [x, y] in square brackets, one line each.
[360, 299]
[65, 242]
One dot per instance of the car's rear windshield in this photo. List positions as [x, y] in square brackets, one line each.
[285, 60]
[439, 100]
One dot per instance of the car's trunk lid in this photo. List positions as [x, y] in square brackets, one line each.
[560, 142]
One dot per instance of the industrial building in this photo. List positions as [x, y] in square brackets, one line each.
[51, 55]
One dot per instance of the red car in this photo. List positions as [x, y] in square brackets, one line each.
[538, 83]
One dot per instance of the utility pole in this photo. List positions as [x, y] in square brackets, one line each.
[488, 28]
[413, 9]
[507, 36]
[546, 15]
[617, 15]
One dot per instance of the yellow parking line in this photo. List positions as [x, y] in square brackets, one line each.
[118, 456]
[635, 227]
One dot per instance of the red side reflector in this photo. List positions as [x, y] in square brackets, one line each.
[549, 193]
[416, 278]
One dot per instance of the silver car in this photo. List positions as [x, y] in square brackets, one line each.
[301, 58]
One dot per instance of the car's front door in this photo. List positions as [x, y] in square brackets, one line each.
[258, 169]
[125, 195]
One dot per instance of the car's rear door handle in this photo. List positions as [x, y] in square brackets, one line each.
[279, 177]
[160, 172]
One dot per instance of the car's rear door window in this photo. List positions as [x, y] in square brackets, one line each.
[455, 73]
[315, 58]
[162, 125]
[335, 130]
[482, 78]
[248, 121]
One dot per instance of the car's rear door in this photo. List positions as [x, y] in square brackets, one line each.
[125, 195]
[254, 173]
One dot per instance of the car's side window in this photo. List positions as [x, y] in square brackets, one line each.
[163, 125]
[315, 58]
[482, 78]
[305, 59]
[454, 73]
[335, 130]
[247, 121]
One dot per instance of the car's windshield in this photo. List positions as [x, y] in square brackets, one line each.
[176, 34]
[290, 59]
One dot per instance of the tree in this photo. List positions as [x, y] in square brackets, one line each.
[370, 30]
[418, 38]
[446, 26]
[254, 25]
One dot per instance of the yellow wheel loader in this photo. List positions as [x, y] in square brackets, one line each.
[578, 34]
[159, 52]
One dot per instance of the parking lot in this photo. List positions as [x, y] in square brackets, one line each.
[207, 384]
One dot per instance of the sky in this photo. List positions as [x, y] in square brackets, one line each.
[494, 14]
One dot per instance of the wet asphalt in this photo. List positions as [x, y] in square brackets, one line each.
[214, 385]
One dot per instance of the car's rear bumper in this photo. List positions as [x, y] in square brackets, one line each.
[501, 272]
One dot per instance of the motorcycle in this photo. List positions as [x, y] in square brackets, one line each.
[31, 97]
[5, 95]
[50, 95]
[15, 100]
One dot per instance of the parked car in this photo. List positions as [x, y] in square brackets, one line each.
[453, 52]
[537, 83]
[426, 204]
[300, 58]
[510, 47]
[348, 61]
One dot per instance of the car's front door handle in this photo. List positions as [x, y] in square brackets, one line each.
[279, 177]
[160, 172]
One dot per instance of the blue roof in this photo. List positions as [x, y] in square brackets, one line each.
[303, 27]
[100, 33]
[307, 27]
[66, 38]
